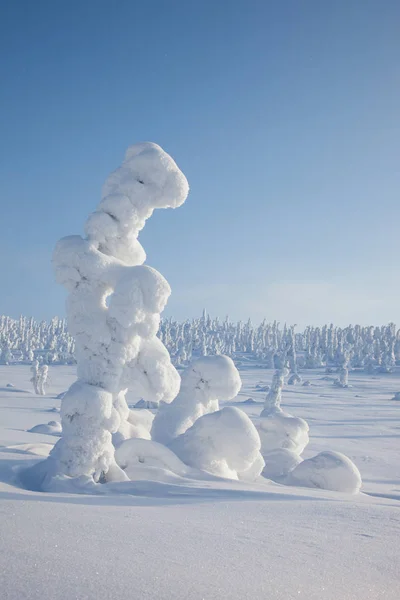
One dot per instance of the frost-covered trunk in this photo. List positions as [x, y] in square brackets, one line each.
[113, 310]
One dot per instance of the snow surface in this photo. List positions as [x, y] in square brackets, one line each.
[183, 538]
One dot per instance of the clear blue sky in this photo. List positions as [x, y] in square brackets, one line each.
[284, 116]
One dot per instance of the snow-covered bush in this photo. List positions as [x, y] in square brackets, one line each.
[132, 454]
[113, 308]
[50, 428]
[224, 443]
[206, 381]
[328, 471]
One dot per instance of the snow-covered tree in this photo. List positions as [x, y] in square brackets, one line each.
[42, 376]
[113, 308]
[35, 370]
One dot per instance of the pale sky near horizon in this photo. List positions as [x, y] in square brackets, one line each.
[284, 116]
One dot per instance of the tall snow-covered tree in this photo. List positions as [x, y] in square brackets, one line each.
[113, 309]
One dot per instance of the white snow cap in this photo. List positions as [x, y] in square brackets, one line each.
[147, 165]
[216, 376]
[327, 471]
[224, 443]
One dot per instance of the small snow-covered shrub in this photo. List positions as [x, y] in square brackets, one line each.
[134, 453]
[328, 471]
[50, 428]
[224, 443]
[203, 383]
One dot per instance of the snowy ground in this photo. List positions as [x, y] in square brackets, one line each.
[214, 539]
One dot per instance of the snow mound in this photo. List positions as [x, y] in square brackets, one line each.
[328, 471]
[50, 428]
[279, 463]
[204, 382]
[135, 453]
[249, 401]
[224, 443]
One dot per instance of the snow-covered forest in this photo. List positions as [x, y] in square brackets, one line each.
[372, 348]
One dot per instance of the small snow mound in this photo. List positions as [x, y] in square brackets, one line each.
[10, 385]
[396, 396]
[224, 443]
[50, 428]
[249, 401]
[135, 453]
[279, 463]
[328, 471]
[307, 383]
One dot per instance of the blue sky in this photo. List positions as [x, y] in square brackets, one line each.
[284, 116]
